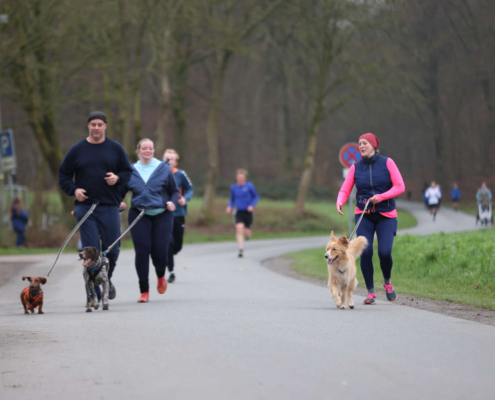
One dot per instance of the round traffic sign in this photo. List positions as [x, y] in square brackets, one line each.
[349, 154]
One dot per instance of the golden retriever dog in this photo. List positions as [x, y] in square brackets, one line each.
[341, 258]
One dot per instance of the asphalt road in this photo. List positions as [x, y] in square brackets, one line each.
[230, 328]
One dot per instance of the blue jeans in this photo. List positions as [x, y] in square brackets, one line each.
[103, 224]
[386, 229]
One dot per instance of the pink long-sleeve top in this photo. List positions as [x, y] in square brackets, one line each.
[397, 188]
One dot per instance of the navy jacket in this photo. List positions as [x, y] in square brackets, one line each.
[19, 222]
[185, 188]
[160, 188]
[373, 177]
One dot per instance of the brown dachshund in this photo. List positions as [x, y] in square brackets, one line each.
[32, 296]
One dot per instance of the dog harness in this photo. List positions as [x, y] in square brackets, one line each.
[33, 295]
[93, 272]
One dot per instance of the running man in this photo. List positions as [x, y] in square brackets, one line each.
[243, 197]
[101, 170]
[186, 191]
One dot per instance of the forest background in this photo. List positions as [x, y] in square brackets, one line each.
[276, 87]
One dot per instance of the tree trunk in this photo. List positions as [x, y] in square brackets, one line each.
[309, 161]
[164, 107]
[179, 113]
[206, 212]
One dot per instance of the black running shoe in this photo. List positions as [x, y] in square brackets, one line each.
[171, 278]
[240, 254]
[112, 292]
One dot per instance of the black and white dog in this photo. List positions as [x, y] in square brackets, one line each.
[95, 273]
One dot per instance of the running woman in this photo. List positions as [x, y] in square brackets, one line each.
[433, 194]
[186, 191]
[243, 197]
[378, 180]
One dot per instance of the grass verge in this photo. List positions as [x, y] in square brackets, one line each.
[452, 267]
[272, 219]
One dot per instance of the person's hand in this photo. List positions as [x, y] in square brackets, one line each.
[228, 210]
[375, 199]
[111, 178]
[182, 201]
[250, 208]
[339, 208]
[80, 195]
[170, 206]
[122, 206]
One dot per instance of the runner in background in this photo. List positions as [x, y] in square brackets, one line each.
[243, 197]
[186, 191]
[455, 195]
[433, 194]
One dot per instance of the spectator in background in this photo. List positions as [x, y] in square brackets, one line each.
[433, 194]
[455, 195]
[19, 217]
[243, 197]
[483, 195]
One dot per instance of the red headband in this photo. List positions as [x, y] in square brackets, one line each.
[371, 138]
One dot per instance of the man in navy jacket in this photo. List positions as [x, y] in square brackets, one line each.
[95, 170]
[186, 191]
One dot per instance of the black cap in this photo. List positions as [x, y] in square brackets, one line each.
[97, 115]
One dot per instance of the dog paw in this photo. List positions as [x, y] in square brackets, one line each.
[338, 305]
[342, 307]
[41, 312]
[351, 306]
[88, 310]
[105, 308]
[96, 306]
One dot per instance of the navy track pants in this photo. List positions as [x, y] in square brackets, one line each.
[151, 237]
[104, 224]
[386, 229]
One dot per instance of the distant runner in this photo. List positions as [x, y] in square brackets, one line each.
[243, 197]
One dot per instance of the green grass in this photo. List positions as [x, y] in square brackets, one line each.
[469, 208]
[273, 219]
[453, 267]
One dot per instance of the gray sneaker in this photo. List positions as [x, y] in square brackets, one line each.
[112, 292]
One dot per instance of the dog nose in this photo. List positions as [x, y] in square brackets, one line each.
[326, 256]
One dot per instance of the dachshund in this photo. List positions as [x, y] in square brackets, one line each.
[32, 296]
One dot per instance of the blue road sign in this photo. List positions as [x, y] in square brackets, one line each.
[8, 160]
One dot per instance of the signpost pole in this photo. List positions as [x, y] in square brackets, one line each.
[349, 155]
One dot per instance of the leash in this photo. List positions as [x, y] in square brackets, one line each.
[359, 221]
[71, 234]
[127, 230]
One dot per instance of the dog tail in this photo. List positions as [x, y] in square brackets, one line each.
[357, 246]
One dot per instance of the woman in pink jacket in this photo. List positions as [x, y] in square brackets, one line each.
[378, 180]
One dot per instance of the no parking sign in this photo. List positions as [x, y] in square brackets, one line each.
[349, 154]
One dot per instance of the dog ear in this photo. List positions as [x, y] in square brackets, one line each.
[96, 252]
[42, 280]
[332, 237]
[26, 277]
[343, 241]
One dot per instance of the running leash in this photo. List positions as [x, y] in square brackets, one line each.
[127, 230]
[359, 221]
[71, 234]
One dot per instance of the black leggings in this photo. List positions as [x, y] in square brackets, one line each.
[386, 229]
[151, 236]
[176, 242]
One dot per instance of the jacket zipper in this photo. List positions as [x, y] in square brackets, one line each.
[371, 181]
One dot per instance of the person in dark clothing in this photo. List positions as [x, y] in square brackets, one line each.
[186, 191]
[95, 170]
[154, 189]
[455, 195]
[19, 218]
[378, 180]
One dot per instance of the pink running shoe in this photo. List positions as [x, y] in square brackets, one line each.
[370, 299]
[389, 290]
